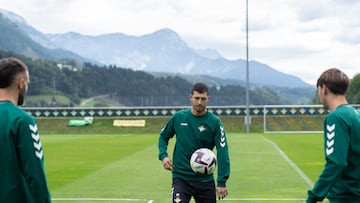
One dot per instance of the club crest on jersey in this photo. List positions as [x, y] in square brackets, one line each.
[201, 128]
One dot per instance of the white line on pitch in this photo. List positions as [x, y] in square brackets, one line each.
[262, 199]
[151, 201]
[291, 163]
[100, 199]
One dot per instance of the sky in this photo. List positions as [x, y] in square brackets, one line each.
[298, 37]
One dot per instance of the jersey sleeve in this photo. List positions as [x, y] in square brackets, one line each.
[31, 157]
[165, 134]
[336, 144]
[222, 155]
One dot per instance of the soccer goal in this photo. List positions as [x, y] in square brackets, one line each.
[294, 119]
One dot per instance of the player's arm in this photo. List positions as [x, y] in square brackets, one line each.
[221, 192]
[336, 144]
[167, 163]
[222, 156]
[31, 157]
[165, 134]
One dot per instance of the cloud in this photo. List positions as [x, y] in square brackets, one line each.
[295, 37]
[352, 37]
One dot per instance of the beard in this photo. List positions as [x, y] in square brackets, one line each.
[21, 96]
[199, 109]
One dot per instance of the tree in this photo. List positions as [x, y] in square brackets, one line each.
[353, 93]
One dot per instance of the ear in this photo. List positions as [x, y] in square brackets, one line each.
[20, 83]
[325, 90]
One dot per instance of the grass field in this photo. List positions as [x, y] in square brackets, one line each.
[124, 167]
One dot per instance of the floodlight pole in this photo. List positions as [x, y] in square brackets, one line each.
[247, 121]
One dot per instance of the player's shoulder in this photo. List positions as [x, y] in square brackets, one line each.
[12, 108]
[183, 112]
[16, 115]
[210, 114]
[21, 114]
[343, 112]
[211, 117]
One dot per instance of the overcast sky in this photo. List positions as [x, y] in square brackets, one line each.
[298, 37]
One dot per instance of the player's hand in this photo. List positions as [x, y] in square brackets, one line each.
[167, 164]
[221, 192]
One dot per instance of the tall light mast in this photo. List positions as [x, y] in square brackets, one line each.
[247, 121]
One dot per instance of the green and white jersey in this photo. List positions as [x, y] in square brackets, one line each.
[22, 175]
[340, 178]
[194, 132]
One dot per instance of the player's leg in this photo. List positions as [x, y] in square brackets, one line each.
[180, 191]
[205, 192]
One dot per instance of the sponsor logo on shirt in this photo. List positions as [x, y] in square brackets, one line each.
[184, 124]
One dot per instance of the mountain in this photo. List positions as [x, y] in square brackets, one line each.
[165, 51]
[208, 53]
[19, 37]
[160, 51]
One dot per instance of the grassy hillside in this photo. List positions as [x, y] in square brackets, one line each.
[47, 100]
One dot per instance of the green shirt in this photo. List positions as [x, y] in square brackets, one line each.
[194, 132]
[22, 175]
[340, 178]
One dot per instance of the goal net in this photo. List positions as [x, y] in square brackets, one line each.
[294, 119]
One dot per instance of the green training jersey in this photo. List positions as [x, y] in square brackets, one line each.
[22, 175]
[194, 132]
[340, 178]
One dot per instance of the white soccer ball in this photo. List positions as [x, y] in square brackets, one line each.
[203, 161]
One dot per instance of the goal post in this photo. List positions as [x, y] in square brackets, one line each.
[294, 118]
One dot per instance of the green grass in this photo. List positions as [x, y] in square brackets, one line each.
[47, 99]
[76, 156]
[100, 126]
[306, 150]
[104, 125]
[125, 165]
[109, 166]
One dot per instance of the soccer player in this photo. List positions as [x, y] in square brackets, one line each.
[195, 128]
[340, 179]
[22, 175]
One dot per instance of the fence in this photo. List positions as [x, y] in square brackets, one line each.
[268, 110]
[276, 118]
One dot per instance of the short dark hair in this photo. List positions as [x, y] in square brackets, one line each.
[335, 80]
[9, 68]
[200, 87]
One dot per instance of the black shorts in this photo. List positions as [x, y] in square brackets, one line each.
[203, 192]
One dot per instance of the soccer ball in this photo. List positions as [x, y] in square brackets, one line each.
[203, 161]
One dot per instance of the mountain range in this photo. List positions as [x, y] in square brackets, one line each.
[162, 51]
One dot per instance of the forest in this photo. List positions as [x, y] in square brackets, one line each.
[126, 87]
